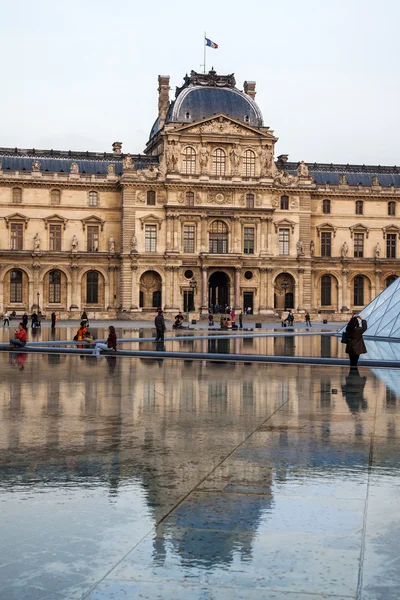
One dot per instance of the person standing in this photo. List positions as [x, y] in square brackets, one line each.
[19, 340]
[84, 318]
[25, 321]
[160, 326]
[355, 343]
[241, 319]
[53, 319]
[6, 319]
[34, 320]
[110, 345]
[308, 320]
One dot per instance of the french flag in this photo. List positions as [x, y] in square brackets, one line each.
[211, 43]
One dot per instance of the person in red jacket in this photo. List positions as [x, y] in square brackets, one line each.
[111, 342]
[20, 337]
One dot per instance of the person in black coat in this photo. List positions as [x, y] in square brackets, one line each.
[53, 319]
[355, 342]
[160, 326]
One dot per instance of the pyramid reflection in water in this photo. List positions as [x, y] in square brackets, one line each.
[383, 313]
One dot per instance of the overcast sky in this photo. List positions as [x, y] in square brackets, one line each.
[82, 74]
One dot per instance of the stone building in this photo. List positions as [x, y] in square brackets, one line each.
[207, 215]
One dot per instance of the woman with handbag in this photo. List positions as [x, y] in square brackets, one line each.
[355, 343]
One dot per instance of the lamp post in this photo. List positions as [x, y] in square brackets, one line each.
[38, 301]
[193, 286]
[285, 286]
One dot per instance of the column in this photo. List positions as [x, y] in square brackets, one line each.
[111, 287]
[135, 289]
[116, 290]
[168, 287]
[378, 274]
[345, 307]
[204, 234]
[238, 271]
[263, 289]
[300, 291]
[236, 234]
[170, 225]
[264, 238]
[270, 292]
[36, 269]
[174, 284]
[176, 226]
[204, 289]
[75, 303]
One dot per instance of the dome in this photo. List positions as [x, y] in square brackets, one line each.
[206, 95]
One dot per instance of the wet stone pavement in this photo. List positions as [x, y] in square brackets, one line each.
[125, 479]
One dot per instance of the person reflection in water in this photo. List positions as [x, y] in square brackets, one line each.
[353, 391]
[20, 360]
[355, 343]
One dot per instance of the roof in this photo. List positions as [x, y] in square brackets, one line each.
[323, 173]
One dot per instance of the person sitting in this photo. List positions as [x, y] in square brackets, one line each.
[81, 333]
[211, 319]
[110, 345]
[178, 321]
[19, 340]
[84, 318]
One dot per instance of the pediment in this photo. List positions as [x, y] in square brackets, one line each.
[16, 217]
[284, 223]
[151, 218]
[223, 125]
[92, 220]
[55, 219]
[390, 229]
[326, 227]
[360, 228]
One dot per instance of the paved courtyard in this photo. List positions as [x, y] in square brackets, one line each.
[130, 478]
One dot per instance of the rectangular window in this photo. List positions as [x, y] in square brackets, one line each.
[284, 240]
[391, 245]
[188, 238]
[359, 207]
[151, 238]
[93, 238]
[248, 235]
[17, 233]
[358, 245]
[55, 238]
[326, 243]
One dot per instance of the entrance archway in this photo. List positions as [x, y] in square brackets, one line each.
[218, 289]
[150, 290]
[284, 297]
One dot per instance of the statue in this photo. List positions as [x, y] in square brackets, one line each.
[74, 244]
[299, 247]
[134, 244]
[345, 250]
[1, 166]
[36, 166]
[375, 180]
[171, 156]
[302, 169]
[343, 179]
[127, 163]
[235, 158]
[312, 248]
[265, 159]
[377, 250]
[111, 245]
[204, 154]
[111, 169]
[36, 242]
[74, 168]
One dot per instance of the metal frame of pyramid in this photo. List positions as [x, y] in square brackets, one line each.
[383, 313]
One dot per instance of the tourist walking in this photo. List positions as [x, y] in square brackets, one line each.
[53, 319]
[160, 326]
[19, 340]
[110, 345]
[6, 319]
[355, 342]
[308, 320]
[25, 321]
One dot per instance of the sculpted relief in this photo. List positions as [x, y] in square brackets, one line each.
[220, 198]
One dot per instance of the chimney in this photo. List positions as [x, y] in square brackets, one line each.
[163, 99]
[117, 147]
[250, 89]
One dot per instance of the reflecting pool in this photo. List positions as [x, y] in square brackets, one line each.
[133, 478]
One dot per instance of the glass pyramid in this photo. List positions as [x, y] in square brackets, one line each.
[383, 313]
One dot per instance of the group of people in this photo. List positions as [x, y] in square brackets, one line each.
[220, 309]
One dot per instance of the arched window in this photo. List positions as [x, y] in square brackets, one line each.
[15, 286]
[218, 238]
[249, 164]
[55, 197]
[326, 290]
[93, 198]
[55, 287]
[17, 195]
[391, 209]
[92, 287]
[284, 202]
[218, 162]
[190, 198]
[326, 207]
[249, 200]
[359, 281]
[389, 280]
[151, 198]
[189, 161]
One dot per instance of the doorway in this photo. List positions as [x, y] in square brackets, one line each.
[218, 289]
[188, 301]
[248, 302]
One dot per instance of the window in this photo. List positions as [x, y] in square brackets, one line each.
[17, 195]
[326, 290]
[358, 245]
[326, 207]
[190, 198]
[249, 200]
[92, 287]
[248, 235]
[390, 279]
[249, 164]
[151, 198]
[326, 243]
[188, 238]
[391, 209]
[284, 240]
[55, 238]
[55, 287]
[55, 197]
[17, 236]
[218, 238]
[93, 238]
[359, 207]
[189, 161]
[218, 162]
[284, 202]
[151, 238]
[93, 198]
[391, 245]
[16, 286]
[359, 290]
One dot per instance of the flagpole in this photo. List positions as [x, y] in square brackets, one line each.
[205, 47]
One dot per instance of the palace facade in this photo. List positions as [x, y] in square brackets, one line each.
[207, 215]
